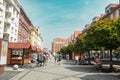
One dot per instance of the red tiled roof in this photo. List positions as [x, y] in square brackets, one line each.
[19, 45]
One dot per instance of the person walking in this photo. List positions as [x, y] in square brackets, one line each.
[67, 57]
[76, 60]
[34, 58]
[55, 58]
[44, 60]
[59, 59]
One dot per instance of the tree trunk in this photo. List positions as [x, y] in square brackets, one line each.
[89, 62]
[111, 61]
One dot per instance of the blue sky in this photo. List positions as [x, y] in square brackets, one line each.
[60, 18]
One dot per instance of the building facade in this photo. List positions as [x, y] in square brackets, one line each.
[35, 37]
[24, 27]
[40, 41]
[58, 43]
[9, 19]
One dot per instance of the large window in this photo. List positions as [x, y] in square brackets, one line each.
[17, 53]
[26, 53]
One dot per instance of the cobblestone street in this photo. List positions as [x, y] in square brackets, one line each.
[65, 71]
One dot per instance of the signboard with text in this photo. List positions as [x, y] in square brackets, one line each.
[3, 52]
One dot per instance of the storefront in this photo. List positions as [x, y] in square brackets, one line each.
[19, 53]
[3, 54]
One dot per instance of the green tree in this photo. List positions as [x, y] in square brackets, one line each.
[79, 45]
[70, 49]
[63, 50]
[104, 35]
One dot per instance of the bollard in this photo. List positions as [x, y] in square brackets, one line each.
[15, 67]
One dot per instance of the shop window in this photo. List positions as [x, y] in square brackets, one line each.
[26, 53]
[16, 54]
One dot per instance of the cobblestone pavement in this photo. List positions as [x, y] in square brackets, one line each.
[65, 71]
[9, 73]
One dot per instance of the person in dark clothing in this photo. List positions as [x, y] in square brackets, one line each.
[39, 59]
[59, 59]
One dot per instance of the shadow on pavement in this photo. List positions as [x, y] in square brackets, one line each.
[99, 77]
[8, 75]
[94, 74]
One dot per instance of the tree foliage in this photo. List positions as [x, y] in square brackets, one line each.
[70, 48]
[63, 50]
[104, 34]
[79, 45]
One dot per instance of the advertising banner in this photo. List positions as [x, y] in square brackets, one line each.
[3, 52]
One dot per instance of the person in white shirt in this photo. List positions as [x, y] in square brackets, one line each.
[76, 59]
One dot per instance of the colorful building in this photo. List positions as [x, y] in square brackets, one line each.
[58, 43]
[9, 20]
[24, 27]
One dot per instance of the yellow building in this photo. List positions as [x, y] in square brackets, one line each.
[36, 38]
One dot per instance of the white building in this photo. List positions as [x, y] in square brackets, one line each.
[9, 19]
[40, 41]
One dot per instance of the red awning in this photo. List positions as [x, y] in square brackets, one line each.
[13, 45]
[33, 48]
[38, 50]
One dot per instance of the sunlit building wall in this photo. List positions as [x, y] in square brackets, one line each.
[9, 19]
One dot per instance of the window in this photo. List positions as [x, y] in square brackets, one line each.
[15, 39]
[11, 38]
[16, 54]
[26, 53]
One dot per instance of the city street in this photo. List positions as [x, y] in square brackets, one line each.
[65, 71]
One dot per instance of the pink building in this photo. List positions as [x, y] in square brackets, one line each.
[58, 43]
[111, 11]
[23, 29]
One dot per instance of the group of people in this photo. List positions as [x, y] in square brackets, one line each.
[40, 59]
[58, 58]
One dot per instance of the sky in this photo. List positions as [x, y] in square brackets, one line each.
[60, 18]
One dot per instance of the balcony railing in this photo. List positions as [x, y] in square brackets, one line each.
[6, 37]
[8, 12]
[6, 31]
[7, 22]
[1, 7]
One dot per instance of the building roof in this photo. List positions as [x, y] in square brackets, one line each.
[13, 45]
[61, 40]
[76, 33]
[108, 14]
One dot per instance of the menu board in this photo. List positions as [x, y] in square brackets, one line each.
[3, 52]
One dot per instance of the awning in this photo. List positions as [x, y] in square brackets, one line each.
[14, 45]
[38, 50]
[33, 48]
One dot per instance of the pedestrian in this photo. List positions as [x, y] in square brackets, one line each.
[59, 59]
[39, 59]
[76, 59]
[34, 57]
[98, 63]
[44, 60]
[67, 57]
[55, 58]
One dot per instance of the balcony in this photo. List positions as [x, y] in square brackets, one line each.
[7, 22]
[6, 31]
[6, 37]
[8, 12]
[1, 8]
